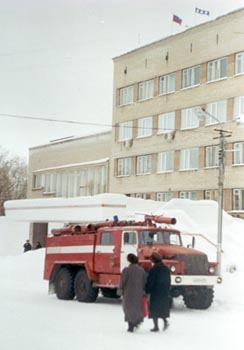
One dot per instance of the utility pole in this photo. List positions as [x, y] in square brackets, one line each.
[223, 134]
[222, 145]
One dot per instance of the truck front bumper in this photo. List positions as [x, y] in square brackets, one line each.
[195, 280]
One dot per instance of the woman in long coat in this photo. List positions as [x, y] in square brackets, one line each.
[132, 286]
[158, 286]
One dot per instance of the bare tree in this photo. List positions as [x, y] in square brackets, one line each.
[13, 178]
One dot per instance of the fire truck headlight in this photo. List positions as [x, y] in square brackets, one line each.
[172, 268]
[211, 269]
[178, 279]
[219, 280]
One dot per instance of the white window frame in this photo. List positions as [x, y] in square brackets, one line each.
[125, 131]
[143, 164]
[167, 83]
[188, 195]
[164, 196]
[38, 181]
[124, 167]
[238, 199]
[211, 195]
[217, 69]
[239, 63]
[145, 90]
[212, 156]
[191, 77]
[144, 127]
[165, 162]
[238, 154]
[219, 110]
[238, 106]
[126, 95]
[189, 159]
[189, 119]
[166, 123]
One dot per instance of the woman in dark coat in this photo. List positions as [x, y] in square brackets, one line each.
[132, 284]
[158, 286]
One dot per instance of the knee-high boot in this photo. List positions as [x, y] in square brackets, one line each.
[155, 322]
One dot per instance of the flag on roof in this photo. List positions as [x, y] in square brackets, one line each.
[202, 12]
[177, 19]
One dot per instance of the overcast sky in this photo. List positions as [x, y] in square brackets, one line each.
[56, 59]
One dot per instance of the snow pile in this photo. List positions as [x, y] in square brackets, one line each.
[201, 217]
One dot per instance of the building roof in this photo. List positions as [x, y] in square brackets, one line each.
[181, 33]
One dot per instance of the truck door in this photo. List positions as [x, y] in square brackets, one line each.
[105, 252]
[129, 244]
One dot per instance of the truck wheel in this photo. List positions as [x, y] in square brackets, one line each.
[198, 297]
[64, 284]
[83, 288]
[110, 293]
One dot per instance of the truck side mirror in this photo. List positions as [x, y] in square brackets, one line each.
[192, 245]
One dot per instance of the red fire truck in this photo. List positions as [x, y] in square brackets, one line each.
[82, 260]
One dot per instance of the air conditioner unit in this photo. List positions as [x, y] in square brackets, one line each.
[128, 143]
[169, 136]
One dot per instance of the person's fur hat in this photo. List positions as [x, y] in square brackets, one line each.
[155, 258]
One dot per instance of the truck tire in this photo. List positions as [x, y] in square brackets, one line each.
[83, 288]
[64, 284]
[110, 293]
[198, 297]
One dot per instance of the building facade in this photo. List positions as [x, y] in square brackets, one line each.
[70, 167]
[160, 148]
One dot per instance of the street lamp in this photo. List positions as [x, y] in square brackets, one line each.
[240, 120]
[202, 114]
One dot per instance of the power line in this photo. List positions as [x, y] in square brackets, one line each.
[116, 125]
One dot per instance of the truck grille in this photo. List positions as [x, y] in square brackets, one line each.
[194, 264]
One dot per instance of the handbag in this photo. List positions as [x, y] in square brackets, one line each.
[145, 306]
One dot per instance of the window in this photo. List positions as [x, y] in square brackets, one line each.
[49, 182]
[107, 238]
[165, 162]
[124, 167]
[189, 159]
[144, 127]
[238, 199]
[146, 90]
[166, 122]
[38, 181]
[212, 156]
[126, 95]
[238, 106]
[218, 110]
[211, 195]
[167, 83]
[240, 63]
[217, 69]
[125, 131]
[238, 153]
[189, 119]
[130, 237]
[164, 196]
[191, 77]
[143, 165]
[151, 237]
[189, 195]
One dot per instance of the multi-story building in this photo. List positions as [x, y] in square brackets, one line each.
[160, 148]
[70, 167]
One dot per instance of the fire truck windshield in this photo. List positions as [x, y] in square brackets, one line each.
[159, 237]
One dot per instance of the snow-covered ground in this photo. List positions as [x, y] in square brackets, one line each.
[30, 318]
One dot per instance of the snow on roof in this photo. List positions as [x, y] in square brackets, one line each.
[72, 165]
